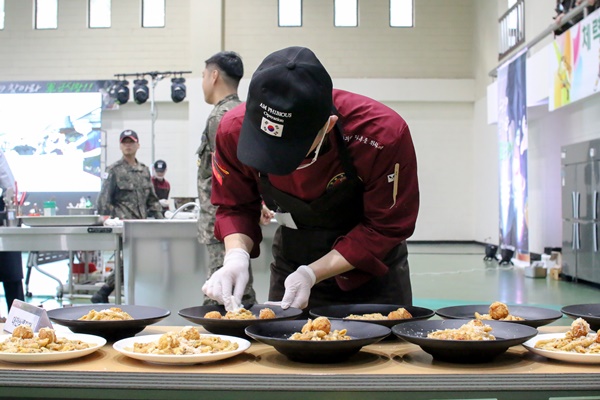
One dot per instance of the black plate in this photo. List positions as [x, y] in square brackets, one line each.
[343, 310]
[589, 312]
[277, 333]
[464, 351]
[110, 330]
[234, 327]
[534, 316]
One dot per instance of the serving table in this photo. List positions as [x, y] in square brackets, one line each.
[67, 238]
[391, 369]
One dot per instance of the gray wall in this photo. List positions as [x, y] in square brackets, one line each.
[435, 75]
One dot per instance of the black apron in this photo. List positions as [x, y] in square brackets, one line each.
[320, 223]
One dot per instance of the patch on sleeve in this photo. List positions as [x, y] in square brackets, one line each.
[218, 171]
[104, 175]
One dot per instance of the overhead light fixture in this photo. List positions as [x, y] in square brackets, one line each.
[140, 91]
[178, 90]
[120, 91]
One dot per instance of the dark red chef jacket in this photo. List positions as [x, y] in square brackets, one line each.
[378, 140]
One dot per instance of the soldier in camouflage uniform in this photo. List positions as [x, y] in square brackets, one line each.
[127, 193]
[220, 80]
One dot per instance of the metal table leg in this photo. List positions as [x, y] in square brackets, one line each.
[32, 262]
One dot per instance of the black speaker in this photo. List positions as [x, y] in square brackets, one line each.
[506, 254]
[490, 252]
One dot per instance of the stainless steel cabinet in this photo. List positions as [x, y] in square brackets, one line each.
[580, 174]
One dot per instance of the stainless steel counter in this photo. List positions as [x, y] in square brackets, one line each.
[165, 266]
[66, 238]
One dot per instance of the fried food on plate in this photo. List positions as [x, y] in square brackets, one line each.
[108, 314]
[319, 329]
[23, 340]
[472, 330]
[579, 339]
[499, 312]
[400, 313]
[186, 341]
[242, 313]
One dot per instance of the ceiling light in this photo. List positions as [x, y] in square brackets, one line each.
[178, 89]
[140, 91]
[120, 92]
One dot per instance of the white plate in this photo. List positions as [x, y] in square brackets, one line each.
[125, 347]
[95, 341]
[560, 355]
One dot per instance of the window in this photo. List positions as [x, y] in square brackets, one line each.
[401, 13]
[153, 13]
[1, 14]
[345, 13]
[46, 14]
[290, 12]
[99, 13]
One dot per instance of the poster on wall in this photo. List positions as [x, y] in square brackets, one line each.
[575, 63]
[512, 140]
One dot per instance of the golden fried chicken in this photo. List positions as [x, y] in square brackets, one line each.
[400, 313]
[321, 324]
[498, 310]
[168, 341]
[319, 329]
[47, 333]
[307, 327]
[23, 332]
[213, 315]
[266, 313]
[190, 333]
[579, 328]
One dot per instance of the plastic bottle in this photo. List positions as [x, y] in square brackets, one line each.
[49, 208]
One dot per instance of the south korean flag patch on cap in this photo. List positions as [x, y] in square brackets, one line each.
[271, 128]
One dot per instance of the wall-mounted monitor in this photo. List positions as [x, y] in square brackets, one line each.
[52, 140]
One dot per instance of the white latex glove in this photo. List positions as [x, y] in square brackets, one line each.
[297, 287]
[230, 280]
[113, 222]
[164, 202]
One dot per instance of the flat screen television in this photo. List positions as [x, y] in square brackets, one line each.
[52, 142]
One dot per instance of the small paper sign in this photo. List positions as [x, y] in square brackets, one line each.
[22, 313]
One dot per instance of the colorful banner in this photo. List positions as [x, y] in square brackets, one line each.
[512, 138]
[575, 63]
[47, 87]
[27, 87]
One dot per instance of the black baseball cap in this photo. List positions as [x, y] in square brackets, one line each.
[160, 166]
[289, 101]
[129, 134]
